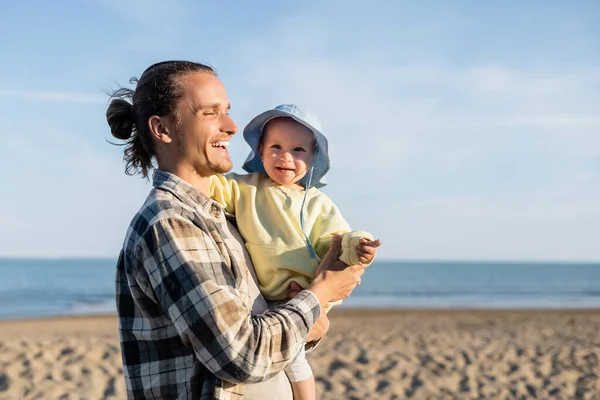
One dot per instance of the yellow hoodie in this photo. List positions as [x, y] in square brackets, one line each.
[268, 218]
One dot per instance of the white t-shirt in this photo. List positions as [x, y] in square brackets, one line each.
[278, 387]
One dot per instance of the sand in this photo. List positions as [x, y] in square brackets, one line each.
[366, 355]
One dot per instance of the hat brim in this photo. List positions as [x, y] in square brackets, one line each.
[253, 133]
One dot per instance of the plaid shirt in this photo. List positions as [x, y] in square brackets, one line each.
[182, 297]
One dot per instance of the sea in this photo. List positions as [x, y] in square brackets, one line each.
[34, 288]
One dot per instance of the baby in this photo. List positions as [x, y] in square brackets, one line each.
[286, 222]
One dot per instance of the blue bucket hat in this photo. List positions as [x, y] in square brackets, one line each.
[253, 132]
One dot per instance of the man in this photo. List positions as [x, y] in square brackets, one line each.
[192, 322]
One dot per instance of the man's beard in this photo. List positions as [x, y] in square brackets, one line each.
[219, 169]
[214, 167]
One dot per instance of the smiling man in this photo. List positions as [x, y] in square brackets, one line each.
[192, 322]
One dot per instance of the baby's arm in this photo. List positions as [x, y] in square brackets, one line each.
[348, 252]
[358, 248]
[225, 191]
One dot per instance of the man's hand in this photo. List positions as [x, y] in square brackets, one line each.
[366, 250]
[335, 280]
[319, 329]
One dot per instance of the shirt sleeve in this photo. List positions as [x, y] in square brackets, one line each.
[225, 191]
[348, 249]
[194, 287]
[348, 246]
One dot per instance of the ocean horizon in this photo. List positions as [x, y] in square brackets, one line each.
[49, 287]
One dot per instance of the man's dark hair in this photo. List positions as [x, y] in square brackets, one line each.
[157, 93]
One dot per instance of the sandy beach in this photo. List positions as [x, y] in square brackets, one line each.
[366, 355]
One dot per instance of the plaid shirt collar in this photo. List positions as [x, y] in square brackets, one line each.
[184, 191]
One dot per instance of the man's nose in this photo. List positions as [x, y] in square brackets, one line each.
[286, 156]
[228, 125]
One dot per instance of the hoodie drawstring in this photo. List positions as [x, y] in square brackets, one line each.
[309, 245]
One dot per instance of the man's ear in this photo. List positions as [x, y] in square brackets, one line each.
[160, 128]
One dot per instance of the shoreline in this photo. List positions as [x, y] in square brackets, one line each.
[349, 311]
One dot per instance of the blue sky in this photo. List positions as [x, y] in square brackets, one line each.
[458, 130]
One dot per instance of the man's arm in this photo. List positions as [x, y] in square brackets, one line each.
[194, 287]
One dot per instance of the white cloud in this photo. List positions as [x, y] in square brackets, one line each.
[54, 96]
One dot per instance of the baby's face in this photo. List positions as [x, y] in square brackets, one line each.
[286, 151]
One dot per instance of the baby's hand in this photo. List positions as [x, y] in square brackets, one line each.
[366, 249]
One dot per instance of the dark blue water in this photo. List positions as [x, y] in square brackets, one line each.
[35, 288]
[479, 285]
